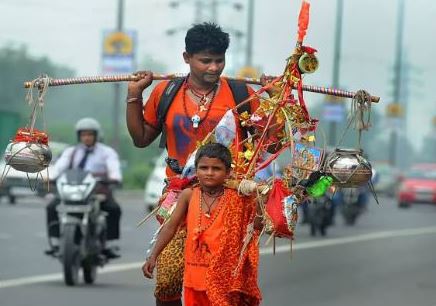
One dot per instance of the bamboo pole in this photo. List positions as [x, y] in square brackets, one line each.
[131, 77]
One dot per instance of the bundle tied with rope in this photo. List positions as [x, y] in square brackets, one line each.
[283, 121]
[29, 150]
[348, 166]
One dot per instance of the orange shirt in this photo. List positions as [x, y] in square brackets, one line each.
[182, 137]
[199, 250]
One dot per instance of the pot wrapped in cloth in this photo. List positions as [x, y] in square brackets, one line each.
[28, 151]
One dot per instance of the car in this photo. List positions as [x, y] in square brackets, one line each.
[155, 183]
[21, 184]
[386, 179]
[418, 185]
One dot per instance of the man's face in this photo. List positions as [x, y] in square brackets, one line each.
[204, 66]
[87, 138]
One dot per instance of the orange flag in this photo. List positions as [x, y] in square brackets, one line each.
[303, 20]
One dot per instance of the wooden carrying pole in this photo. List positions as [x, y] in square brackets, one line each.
[132, 77]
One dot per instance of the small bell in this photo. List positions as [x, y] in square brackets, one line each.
[308, 63]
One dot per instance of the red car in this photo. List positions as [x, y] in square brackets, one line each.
[418, 185]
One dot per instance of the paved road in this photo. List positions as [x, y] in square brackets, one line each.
[387, 258]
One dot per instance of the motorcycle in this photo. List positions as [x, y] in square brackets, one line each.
[82, 225]
[320, 214]
[352, 203]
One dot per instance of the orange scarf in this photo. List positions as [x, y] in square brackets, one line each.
[225, 285]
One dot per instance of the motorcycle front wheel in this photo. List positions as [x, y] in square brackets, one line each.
[89, 272]
[350, 215]
[71, 254]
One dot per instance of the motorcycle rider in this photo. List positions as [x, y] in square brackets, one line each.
[102, 161]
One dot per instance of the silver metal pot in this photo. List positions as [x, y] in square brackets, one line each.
[348, 168]
[28, 157]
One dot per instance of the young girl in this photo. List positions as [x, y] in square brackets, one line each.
[216, 219]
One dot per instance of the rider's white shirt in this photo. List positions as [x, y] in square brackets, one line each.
[103, 160]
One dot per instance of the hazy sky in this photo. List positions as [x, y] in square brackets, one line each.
[70, 33]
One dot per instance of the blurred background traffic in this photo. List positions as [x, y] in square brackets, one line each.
[383, 47]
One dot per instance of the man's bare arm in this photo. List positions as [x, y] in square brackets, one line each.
[141, 133]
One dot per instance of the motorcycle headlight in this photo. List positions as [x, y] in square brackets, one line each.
[74, 192]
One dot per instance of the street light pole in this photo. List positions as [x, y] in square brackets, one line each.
[214, 9]
[117, 86]
[336, 63]
[397, 80]
[198, 11]
[250, 22]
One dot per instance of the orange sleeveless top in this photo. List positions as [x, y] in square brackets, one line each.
[215, 260]
[202, 240]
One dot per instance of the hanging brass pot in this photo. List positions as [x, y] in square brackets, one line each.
[348, 168]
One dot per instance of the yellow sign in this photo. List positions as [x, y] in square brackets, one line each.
[335, 99]
[118, 43]
[394, 110]
[248, 72]
[434, 121]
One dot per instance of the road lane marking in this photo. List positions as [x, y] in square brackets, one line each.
[352, 239]
[263, 251]
[59, 276]
[30, 280]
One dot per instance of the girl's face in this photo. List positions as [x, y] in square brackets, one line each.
[211, 172]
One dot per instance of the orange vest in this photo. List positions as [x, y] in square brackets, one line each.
[200, 248]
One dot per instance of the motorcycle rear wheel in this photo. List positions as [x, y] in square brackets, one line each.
[71, 255]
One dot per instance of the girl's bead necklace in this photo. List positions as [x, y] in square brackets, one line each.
[214, 197]
[199, 229]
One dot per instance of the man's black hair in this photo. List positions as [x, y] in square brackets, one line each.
[214, 150]
[206, 37]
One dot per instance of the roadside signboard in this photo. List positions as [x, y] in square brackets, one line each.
[333, 112]
[119, 51]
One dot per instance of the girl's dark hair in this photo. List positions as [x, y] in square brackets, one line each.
[206, 37]
[214, 150]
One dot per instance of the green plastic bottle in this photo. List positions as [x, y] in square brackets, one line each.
[320, 187]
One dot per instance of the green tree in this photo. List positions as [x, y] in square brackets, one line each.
[65, 105]
[17, 66]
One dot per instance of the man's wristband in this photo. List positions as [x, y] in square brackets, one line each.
[134, 100]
